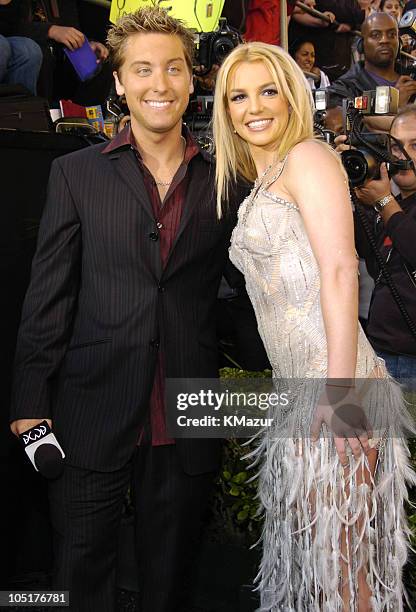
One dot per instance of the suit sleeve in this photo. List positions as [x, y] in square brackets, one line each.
[37, 31]
[50, 302]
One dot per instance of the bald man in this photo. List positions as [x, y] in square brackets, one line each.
[381, 46]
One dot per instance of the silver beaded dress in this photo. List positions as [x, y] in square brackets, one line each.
[308, 498]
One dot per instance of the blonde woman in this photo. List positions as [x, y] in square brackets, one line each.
[331, 488]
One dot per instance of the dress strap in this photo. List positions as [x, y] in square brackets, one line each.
[273, 179]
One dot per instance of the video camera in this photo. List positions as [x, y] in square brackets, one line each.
[362, 163]
[213, 47]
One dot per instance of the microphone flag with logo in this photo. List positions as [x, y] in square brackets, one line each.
[43, 450]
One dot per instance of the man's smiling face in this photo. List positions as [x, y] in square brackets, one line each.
[156, 81]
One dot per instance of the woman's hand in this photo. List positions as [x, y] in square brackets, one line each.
[339, 408]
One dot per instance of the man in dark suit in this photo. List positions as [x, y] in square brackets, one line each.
[122, 295]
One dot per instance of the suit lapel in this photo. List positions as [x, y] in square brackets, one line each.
[126, 166]
[198, 184]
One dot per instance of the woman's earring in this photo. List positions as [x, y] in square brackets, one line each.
[235, 131]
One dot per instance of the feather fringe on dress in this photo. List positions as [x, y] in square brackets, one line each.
[308, 498]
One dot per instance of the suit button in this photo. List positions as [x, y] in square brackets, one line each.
[154, 236]
[154, 343]
[160, 288]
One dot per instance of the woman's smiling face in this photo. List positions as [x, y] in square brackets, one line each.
[305, 56]
[258, 111]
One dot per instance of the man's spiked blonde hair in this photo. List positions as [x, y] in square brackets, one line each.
[147, 20]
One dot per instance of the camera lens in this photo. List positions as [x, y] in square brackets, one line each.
[221, 48]
[206, 142]
[407, 19]
[356, 166]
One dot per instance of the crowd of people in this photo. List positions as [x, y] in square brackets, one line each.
[132, 248]
[33, 36]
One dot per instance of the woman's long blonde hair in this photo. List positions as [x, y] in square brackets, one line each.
[232, 152]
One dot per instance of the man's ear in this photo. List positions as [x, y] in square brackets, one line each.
[191, 85]
[119, 86]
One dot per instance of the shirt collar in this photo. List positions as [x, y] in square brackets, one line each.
[120, 141]
[126, 138]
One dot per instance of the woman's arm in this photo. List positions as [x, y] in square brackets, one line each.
[323, 199]
[309, 20]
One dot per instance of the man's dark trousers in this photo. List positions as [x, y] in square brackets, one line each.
[86, 509]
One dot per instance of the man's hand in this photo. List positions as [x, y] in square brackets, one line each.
[70, 37]
[407, 88]
[340, 143]
[331, 17]
[207, 81]
[122, 123]
[375, 189]
[100, 51]
[22, 425]
[342, 28]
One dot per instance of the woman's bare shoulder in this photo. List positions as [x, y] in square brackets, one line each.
[311, 149]
[313, 155]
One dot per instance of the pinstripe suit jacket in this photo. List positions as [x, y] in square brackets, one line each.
[99, 304]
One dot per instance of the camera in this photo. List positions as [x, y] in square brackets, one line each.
[213, 47]
[321, 99]
[407, 24]
[407, 32]
[362, 163]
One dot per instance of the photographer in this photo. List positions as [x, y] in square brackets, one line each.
[395, 229]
